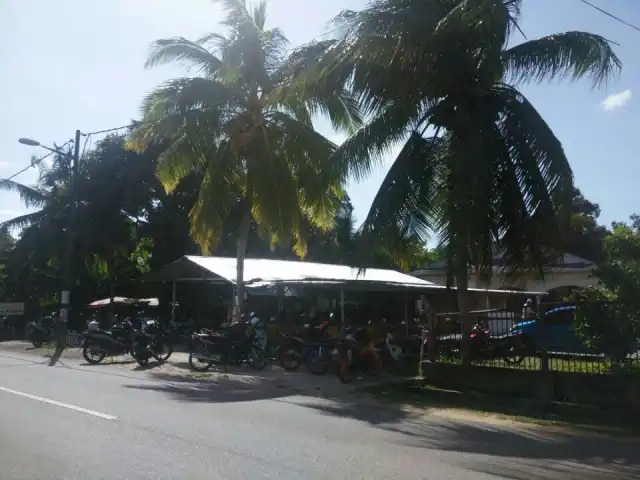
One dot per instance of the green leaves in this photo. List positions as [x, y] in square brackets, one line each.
[570, 54]
[180, 50]
[610, 317]
[246, 125]
[496, 178]
[31, 197]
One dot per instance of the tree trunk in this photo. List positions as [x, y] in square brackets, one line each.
[243, 239]
[464, 301]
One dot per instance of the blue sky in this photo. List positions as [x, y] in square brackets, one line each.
[70, 64]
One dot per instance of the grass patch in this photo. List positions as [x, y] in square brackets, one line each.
[421, 395]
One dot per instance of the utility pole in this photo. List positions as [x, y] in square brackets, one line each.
[67, 280]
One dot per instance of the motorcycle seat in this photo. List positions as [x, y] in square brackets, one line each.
[210, 336]
[98, 330]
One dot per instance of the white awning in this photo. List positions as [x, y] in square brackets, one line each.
[260, 273]
[152, 302]
[263, 272]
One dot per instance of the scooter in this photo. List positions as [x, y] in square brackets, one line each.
[120, 340]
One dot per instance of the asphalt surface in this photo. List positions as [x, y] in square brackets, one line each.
[103, 422]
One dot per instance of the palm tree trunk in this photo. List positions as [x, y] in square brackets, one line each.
[464, 302]
[243, 240]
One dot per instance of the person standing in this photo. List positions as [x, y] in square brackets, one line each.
[528, 312]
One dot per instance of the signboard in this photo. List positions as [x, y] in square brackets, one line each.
[16, 308]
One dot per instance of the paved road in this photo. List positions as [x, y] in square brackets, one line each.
[79, 422]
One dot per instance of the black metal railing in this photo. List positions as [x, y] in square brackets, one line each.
[593, 338]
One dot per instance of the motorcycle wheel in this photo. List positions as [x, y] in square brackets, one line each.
[198, 365]
[164, 351]
[257, 359]
[316, 364]
[37, 343]
[89, 356]
[290, 360]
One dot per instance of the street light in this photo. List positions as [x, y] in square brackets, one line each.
[29, 141]
[65, 294]
[34, 143]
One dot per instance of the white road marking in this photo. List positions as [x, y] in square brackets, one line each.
[58, 404]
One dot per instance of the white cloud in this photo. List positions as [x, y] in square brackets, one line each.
[4, 164]
[8, 213]
[616, 100]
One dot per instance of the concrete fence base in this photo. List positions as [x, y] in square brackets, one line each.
[581, 388]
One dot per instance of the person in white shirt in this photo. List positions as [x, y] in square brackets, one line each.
[528, 312]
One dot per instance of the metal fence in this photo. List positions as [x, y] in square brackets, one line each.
[560, 337]
[74, 339]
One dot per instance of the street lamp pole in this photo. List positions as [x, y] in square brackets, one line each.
[67, 280]
[65, 294]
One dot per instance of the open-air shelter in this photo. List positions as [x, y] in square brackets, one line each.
[267, 273]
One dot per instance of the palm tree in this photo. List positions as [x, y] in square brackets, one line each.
[479, 167]
[249, 131]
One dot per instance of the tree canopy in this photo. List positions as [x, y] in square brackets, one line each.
[127, 224]
[227, 160]
[478, 167]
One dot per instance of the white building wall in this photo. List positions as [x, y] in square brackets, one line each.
[582, 278]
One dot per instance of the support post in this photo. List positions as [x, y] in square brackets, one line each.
[280, 295]
[342, 306]
[406, 315]
[542, 328]
[173, 301]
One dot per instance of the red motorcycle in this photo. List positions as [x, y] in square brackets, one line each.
[357, 353]
[510, 347]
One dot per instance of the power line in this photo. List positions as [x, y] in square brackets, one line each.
[114, 129]
[129, 126]
[611, 15]
[87, 135]
[34, 163]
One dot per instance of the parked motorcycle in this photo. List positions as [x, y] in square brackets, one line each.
[242, 343]
[509, 347]
[40, 332]
[356, 353]
[142, 344]
[312, 347]
[155, 339]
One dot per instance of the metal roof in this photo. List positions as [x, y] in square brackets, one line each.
[261, 273]
[152, 302]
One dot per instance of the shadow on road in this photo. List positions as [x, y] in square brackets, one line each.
[217, 391]
[535, 453]
[503, 448]
[353, 408]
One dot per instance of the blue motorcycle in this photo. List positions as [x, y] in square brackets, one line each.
[312, 347]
